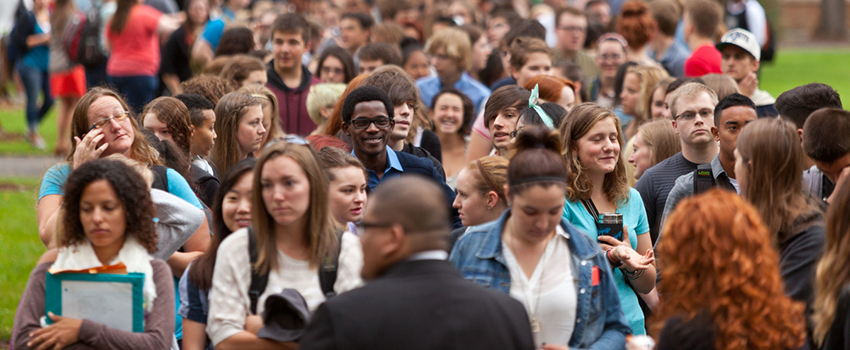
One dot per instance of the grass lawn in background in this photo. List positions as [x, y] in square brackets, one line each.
[14, 122]
[792, 68]
[20, 242]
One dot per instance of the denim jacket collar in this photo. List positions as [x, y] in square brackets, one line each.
[492, 246]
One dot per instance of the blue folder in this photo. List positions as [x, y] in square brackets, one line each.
[54, 293]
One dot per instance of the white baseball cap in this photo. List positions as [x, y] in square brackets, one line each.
[741, 38]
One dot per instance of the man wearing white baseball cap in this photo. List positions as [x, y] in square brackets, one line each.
[740, 55]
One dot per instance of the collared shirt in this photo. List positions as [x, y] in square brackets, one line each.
[477, 92]
[684, 187]
[429, 255]
[393, 170]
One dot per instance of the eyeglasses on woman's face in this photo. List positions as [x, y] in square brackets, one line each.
[105, 121]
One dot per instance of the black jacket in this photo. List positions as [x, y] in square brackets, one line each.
[424, 167]
[423, 304]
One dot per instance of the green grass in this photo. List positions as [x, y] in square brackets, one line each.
[793, 68]
[14, 122]
[20, 242]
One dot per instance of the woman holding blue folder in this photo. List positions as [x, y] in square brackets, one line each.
[107, 219]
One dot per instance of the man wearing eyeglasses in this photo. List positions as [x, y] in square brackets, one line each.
[416, 299]
[571, 24]
[692, 106]
[367, 117]
[731, 115]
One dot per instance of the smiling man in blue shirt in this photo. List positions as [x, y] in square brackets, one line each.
[367, 117]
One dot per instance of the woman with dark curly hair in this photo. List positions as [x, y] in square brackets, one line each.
[108, 219]
[722, 288]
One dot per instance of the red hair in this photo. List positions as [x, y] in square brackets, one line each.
[717, 256]
[549, 87]
[635, 23]
[334, 125]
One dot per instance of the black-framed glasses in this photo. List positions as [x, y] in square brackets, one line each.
[293, 139]
[363, 123]
[103, 122]
[704, 113]
[362, 226]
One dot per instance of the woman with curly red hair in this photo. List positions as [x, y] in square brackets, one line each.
[636, 24]
[721, 283]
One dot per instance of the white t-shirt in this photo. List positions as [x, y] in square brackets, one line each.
[557, 299]
[229, 300]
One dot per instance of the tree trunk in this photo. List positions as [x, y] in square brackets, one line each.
[832, 21]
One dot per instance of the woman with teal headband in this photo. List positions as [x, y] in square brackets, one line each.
[548, 114]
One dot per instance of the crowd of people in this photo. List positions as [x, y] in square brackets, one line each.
[435, 175]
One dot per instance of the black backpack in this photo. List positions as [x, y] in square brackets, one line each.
[81, 38]
[704, 180]
[327, 272]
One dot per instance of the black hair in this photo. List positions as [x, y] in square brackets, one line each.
[682, 81]
[798, 103]
[409, 46]
[365, 20]
[735, 99]
[365, 93]
[130, 188]
[170, 154]
[619, 79]
[196, 105]
[555, 112]
[202, 270]
[573, 72]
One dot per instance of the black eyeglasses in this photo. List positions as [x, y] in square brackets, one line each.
[293, 139]
[363, 123]
[103, 122]
[362, 226]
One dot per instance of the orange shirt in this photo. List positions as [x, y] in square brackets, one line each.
[136, 50]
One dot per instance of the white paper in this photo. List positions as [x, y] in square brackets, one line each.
[107, 303]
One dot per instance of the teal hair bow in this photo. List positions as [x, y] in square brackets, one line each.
[532, 103]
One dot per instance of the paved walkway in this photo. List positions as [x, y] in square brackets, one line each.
[22, 166]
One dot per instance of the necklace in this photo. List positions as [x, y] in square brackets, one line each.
[535, 323]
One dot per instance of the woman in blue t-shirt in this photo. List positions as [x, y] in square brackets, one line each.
[598, 183]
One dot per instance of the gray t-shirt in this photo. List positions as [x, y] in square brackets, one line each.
[655, 184]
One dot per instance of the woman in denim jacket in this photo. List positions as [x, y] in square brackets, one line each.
[560, 275]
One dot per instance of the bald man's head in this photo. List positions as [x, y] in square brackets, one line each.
[414, 202]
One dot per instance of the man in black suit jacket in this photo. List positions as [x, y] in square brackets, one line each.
[416, 299]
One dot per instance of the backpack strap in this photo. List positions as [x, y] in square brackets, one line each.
[703, 179]
[328, 270]
[258, 281]
[160, 177]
